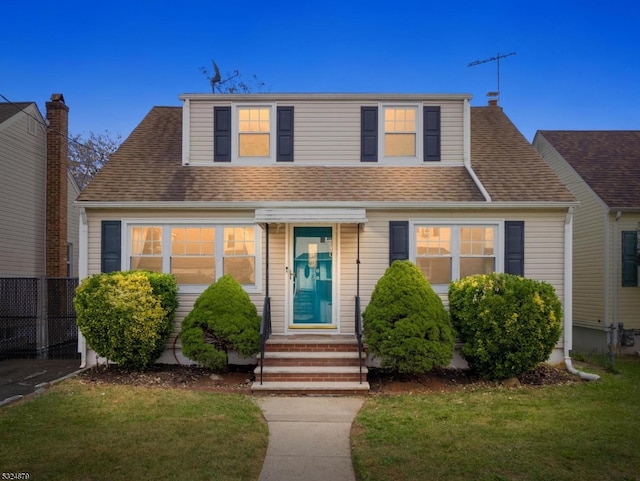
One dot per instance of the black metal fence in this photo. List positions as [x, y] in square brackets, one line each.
[37, 318]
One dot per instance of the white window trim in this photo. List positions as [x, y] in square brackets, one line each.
[235, 133]
[166, 224]
[418, 159]
[455, 241]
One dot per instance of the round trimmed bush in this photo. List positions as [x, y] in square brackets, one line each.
[405, 323]
[127, 317]
[508, 324]
[223, 318]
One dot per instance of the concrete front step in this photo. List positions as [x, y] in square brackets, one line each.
[315, 388]
[311, 373]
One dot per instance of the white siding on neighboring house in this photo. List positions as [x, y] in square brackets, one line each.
[326, 132]
[589, 243]
[628, 298]
[22, 196]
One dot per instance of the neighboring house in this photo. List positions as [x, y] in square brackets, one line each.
[307, 198]
[39, 231]
[602, 169]
[38, 220]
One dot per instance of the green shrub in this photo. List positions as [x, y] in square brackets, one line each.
[508, 324]
[127, 317]
[223, 318]
[405, 323]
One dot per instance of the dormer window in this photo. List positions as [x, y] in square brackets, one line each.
[399, 132]
[406, 133]
[254, 132]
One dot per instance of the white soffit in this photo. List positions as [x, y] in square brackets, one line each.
[311, 216]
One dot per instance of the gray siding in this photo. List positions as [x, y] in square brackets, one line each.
[22, 196]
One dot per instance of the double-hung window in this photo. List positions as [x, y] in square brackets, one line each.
[400, 131]
[254, 131]
[193, 258]
[196, 254]
[240, 253]
[446, 252]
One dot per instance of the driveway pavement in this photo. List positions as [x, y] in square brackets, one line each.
[21, 377]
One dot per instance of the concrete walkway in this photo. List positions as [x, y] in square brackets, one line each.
[309, 438]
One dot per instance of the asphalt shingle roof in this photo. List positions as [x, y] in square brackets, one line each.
[148, 168]
[607, 160]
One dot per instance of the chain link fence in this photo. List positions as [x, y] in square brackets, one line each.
[37, 318]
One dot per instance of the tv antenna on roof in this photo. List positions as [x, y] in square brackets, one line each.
[497, 59]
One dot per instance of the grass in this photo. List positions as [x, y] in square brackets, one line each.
[586, 431]
[77, 431]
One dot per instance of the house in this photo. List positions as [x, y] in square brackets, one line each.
[307, 198]
[38, 220]
[602, 169]
[39, 232]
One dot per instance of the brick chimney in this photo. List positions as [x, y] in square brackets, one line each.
[57, 167]
[493, 98]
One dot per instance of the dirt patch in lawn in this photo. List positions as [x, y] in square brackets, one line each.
[240, 378]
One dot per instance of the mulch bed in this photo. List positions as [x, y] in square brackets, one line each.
[239, 379]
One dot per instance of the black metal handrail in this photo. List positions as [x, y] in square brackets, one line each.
[358, 322]
[265, 330]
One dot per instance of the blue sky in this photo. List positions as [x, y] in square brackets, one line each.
[577, 63]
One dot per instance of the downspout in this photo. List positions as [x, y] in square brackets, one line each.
[616, 281]
[467, 151]
[568, 299]
[83, 271]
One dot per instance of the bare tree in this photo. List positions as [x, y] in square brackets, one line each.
[232, 83]
[88, 155]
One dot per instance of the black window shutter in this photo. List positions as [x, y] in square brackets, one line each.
[110, 255]
[285, 134]
[369, 134]
[398, 240]
[629, 258]
[514, 247]
[222, 134]
[431, 127]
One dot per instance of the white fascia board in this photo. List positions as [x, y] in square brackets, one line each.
[311, 215]
[194, 205]
[288, 97]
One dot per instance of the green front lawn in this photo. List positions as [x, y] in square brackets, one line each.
[87, 432]
[585, 431]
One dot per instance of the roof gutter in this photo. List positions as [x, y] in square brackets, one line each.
[467, 150]
[568, 300]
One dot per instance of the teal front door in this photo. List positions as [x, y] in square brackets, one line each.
[312, 277]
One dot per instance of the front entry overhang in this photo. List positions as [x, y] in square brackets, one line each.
[311, 216]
